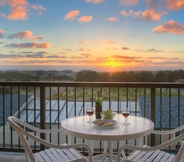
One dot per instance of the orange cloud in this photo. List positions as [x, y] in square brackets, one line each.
[152, 15]
[18, 8]
[26, 34]
[72, 14]
[95, 1]
[170, 27]
[111, 19]
[1, 33]
[131, 13]
[147, 14]
[29, 45]
[175, 4]
[85, 18]
[128, 2]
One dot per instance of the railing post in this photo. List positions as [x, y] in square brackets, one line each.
[152, 112]
[42, 113]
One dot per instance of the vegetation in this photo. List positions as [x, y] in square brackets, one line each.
[93, 76]
[131, 76]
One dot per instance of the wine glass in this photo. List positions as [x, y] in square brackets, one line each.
[125, 113]
[90, 111]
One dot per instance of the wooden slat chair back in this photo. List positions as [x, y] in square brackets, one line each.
[54, 153]
[155, 154]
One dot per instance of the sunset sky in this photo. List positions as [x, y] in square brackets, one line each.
[103, 35]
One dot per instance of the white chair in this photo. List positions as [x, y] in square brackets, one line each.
[150, 154]
[54, 153]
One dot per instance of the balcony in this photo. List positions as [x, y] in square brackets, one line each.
[46, 104]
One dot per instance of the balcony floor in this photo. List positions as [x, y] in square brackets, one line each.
[12, 157]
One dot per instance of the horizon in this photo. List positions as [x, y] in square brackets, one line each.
[100, 35]
[75, 69]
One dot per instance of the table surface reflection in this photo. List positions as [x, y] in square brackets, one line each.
[78, 127]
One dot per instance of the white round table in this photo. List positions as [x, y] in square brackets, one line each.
[78, 127]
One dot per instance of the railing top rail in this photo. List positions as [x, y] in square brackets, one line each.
[97, 84]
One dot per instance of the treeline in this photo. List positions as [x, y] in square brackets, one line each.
[131, 76]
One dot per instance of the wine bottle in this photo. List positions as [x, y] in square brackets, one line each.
[98, 106]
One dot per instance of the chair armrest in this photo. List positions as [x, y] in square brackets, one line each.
[169, 131]
[180, 152]
[38, 129]
[161, 146]
[18, 125]
[48, 144]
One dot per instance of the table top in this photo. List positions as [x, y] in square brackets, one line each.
[78, 127]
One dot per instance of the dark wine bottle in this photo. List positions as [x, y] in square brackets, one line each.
[98, 106]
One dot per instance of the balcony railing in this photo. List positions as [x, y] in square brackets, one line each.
[46, 104]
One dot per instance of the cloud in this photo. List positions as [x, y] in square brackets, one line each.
[36, 55]
[81, 49]
[124, 57]
[2, 15]
[151, 50]
[37, 7]
[71, 39]
[25, 35]
[147, 14]
[154, 50]
[29, 45]
[170, 27]
[18, 9]
[72, 14]
[1, 33]
[106, 41]
[110, 42]
[175, 4]
[86, 55]
[152, 15]
[56, 56]
[128, 2]
[41, 54]
[111, 19]
[156, 4]
[112, 48]
[125, 48]
[85, 18]
[131, 13]
[95, 1]
[85, 42]
[12, 56]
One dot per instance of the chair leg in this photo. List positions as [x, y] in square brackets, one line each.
[121, 143]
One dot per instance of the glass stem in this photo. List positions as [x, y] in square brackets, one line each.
[89, 119]
[125, 120]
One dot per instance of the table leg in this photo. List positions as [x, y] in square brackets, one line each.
[69, 139]
[141, 141]
[92, 146]
[110, 151]
[105, 150]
